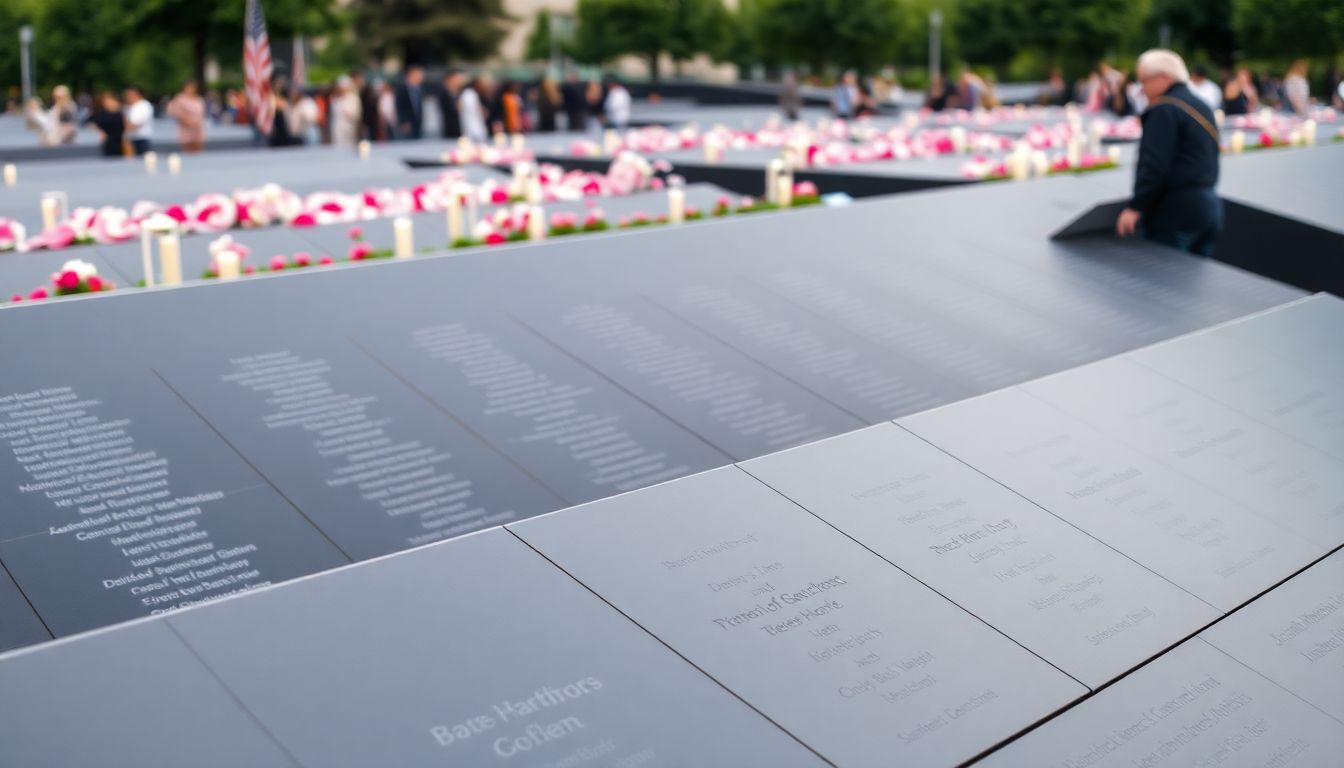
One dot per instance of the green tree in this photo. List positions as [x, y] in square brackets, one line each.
[539, 40]
[1290, 28]
[450, 30]
[606, 29]
[1073, 33]
[990, 31]
[862, 34]
[698, 26]
[1197, 26]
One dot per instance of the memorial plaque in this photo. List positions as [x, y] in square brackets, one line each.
[1194, 706]
[1295, 485]
[846, 369]
[1273, 391]
[131, 696]
[576, 432]
[122, 503]
[1294, 635]
[1305, 333]
[374, 464]
[472, 652]
[952, 352]
[851, 655]
[18, 624]
[1206, 543]
[741, 407]
[1073, 601]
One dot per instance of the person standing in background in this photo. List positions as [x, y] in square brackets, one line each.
[471, 110]
[510, 108]
[842, 96]
[1240, 96]
[617, 105]
[387, 112]
[1204, 88]
[303, 117]
[347, 113]
[1296, 90]
[410, 104]
[139, 120]
[107, 119]
[188, 109]
[450, 124]
[790, 96]
[576, 112]
[550, 101]
[280, 135]
[368, 107]
[1177, 169]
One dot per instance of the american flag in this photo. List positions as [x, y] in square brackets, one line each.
[257, 67]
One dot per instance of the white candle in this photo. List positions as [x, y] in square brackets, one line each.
[228, 264]
[536, 223]
[784, 191]
[11, 174]
[773, 169]
[676, 205]
[611, 141]
[170, 259]
[534, 193]
[500, 140]
[517, 141]
[1074, 154]
[403, 237]
[1040, 164]
[1094, 132]
[1237, 143]
[146, 257]
[1309, 132]
[152, 162]
[1113, 154]
[473, 208]
[175, 164]
[454, 215]
[1218, 117]
[958, 137]
[364, 149]
[50, 208]
[1017, 167]
[712, 152]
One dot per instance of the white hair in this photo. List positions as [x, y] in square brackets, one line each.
[1160, 61]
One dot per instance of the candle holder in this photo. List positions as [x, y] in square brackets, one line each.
[55, 209]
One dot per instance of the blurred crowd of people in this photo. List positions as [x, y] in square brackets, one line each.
[1237, 91]
[351, 109]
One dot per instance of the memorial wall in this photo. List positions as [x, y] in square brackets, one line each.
[153, 465]
[1135, 562]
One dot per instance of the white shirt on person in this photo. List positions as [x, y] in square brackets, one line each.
[472, 116]
[1208, 92]
[618, 106]
[140, 120]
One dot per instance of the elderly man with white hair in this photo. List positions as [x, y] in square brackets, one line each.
[1174, 201]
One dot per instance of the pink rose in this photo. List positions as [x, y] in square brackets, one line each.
[176, 213]
[624, 221]
[324, 260]
[304, 220]
[96, 283]
[38, 293]
[277, 263]
[302, 259]
[356, 233]
[60, 237]
[494, 238]
[499, 195]
[805, 189]
[16, 298]
[332, 207]
[359, 251]
[249, 270]
[68, 280]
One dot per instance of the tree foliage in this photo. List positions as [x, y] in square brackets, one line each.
[539, 39]
[1290, 28]
[860, 34]
[422, 30]
[1199, 28]
[607, 29]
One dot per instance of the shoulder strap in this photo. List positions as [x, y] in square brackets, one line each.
[1191, 111]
